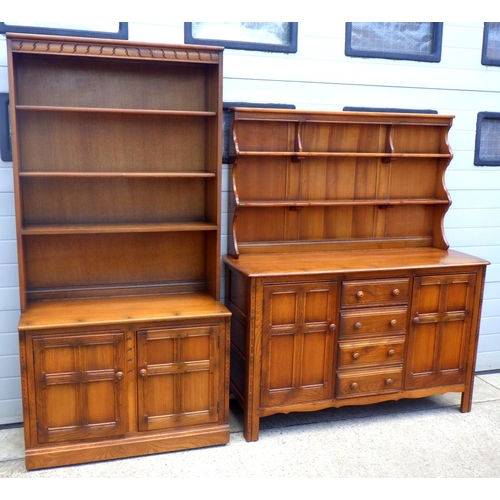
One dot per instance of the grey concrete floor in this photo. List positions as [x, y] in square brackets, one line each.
[421, 438]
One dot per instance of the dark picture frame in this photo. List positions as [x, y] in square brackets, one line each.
[479, 155]
[120, 34]
[5, 142]
[433, 56]
[390, 110]
[487, 60]
[288, 46]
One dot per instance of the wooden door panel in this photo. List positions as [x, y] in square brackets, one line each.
[440, 329]
[178, 376]
[79, 386]
[297, 348]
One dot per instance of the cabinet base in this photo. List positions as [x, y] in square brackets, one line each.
[251, 419]
[73, 454]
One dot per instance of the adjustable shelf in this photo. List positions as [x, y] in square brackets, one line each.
[73, 109]
[111, 175]
[45, 229]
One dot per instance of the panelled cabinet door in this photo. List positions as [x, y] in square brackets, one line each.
[178, 376]
[298, 339]
[439, 330]
[79, 386]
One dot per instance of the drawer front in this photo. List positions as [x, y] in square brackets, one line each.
[380, 351]
[374, 292]
[356, 383]
[370, 321]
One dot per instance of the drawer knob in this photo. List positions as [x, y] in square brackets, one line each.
[119, 375]
[143, 372]
[396, 292]
[416, 320]
[355, 355]
[357, 326]
[354, 386]
[360, 294]
[393, 322]
[391, 353]
[332, 327]
[388, 382]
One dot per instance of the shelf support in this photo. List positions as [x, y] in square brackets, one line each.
[389, 146]
[298, 142]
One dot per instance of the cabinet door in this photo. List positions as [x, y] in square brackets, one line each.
[441, 312]
[298, 339]
[79, 386]
[178, 376]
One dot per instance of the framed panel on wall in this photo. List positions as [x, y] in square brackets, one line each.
[404, 41]
[487, 150]
[490, 55]
[266, 37]
[94, 29]
[5, 144]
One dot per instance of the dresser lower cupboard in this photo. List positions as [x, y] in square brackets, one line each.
[121, 377]
[342, 288]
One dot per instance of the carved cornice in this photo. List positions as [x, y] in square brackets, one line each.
[81, 48]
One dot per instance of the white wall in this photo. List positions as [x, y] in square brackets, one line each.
[320, 76]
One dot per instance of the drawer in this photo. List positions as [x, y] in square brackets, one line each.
[374, 292]
[373, 321]
[380, 351]
[356, 383]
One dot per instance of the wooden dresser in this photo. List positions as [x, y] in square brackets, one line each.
[124, 343]
[339, 278]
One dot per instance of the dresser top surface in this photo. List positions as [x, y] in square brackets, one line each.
[120, 310]
[346, 261]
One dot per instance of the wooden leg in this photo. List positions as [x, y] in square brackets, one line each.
[466, 402]
[251, 425]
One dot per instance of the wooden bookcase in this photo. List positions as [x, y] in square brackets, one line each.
[339, 277]
[117, 172]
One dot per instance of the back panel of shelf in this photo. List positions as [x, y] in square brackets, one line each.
[88, 142]
[76, 81]
[78, 265]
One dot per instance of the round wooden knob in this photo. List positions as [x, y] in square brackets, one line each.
[388, 382]
[396, 292]
[355, 355]
[143, 372]
[393, 322]
[119, 375]
[391, 353]
[332, 327]
[354, 386]
[360, 295]
[357, 326]
[416, 320]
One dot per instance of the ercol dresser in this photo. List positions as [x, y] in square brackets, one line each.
[124, 343]
[339, 277]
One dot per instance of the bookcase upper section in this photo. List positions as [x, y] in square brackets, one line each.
[328, 180]
[117, 152]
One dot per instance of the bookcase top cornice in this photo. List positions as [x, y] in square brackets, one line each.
[94, 47]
